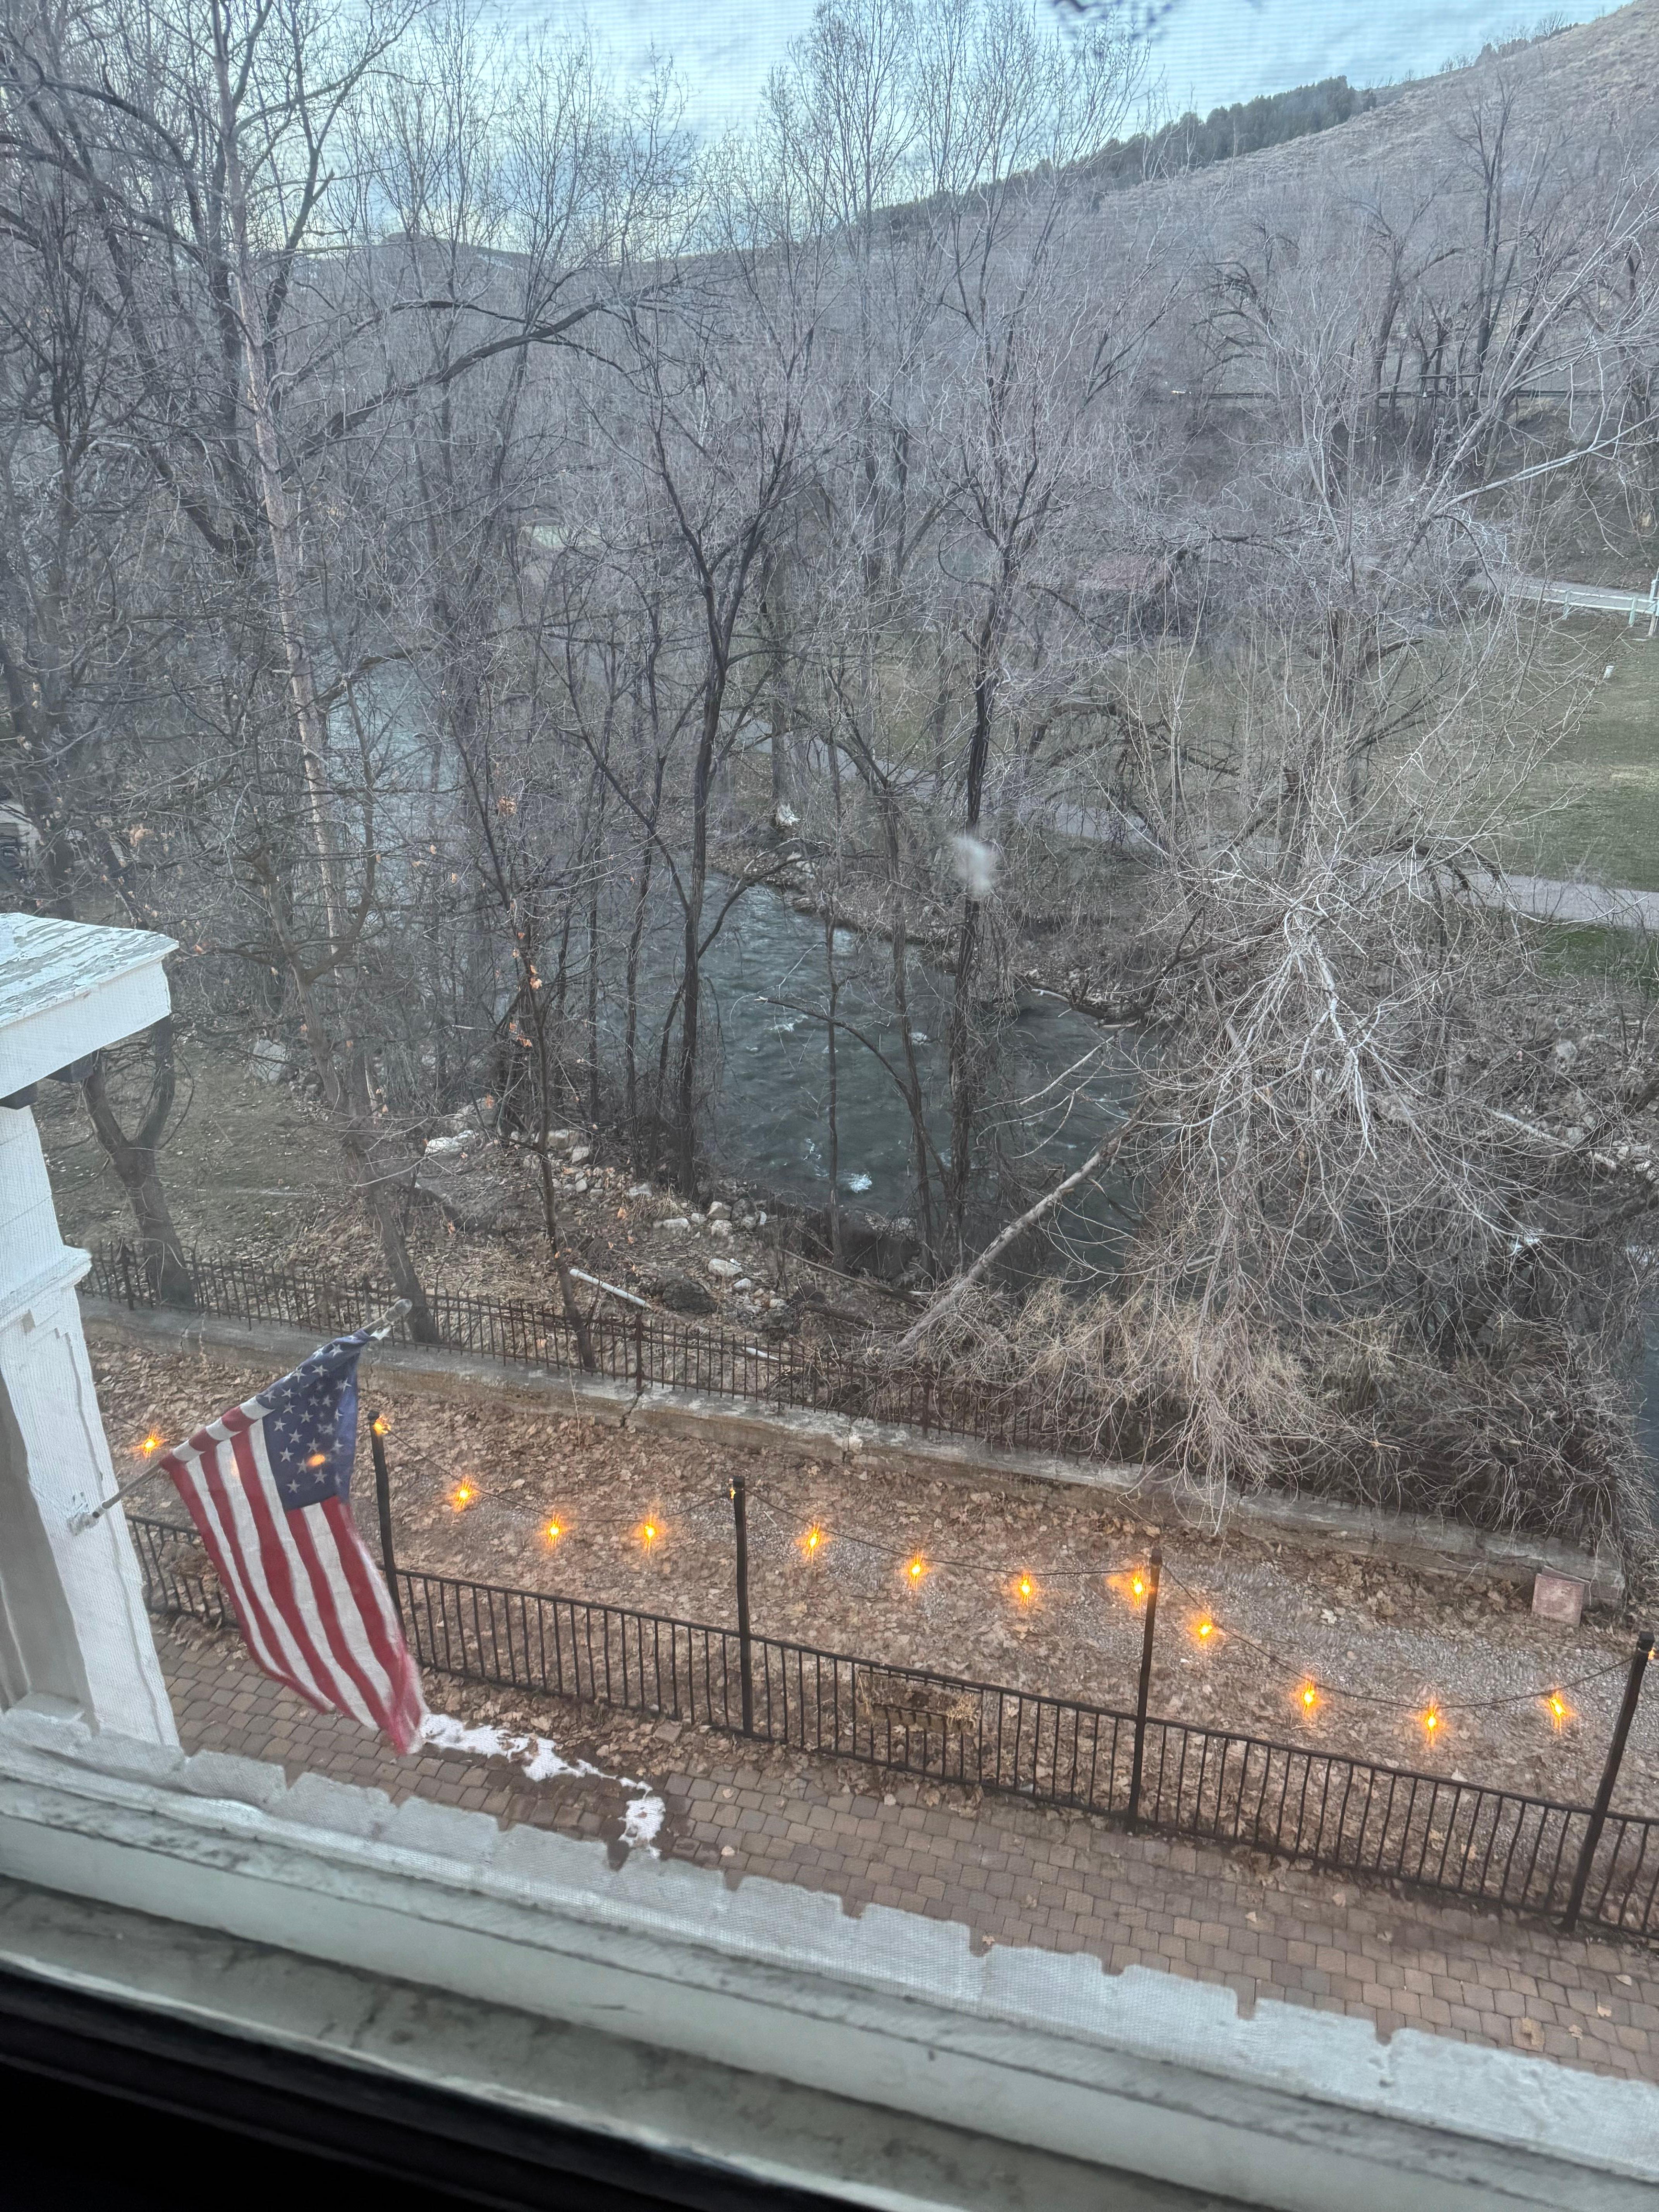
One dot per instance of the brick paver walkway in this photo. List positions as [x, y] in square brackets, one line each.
[1010, 1873]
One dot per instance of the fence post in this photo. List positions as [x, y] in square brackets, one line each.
[639, 1350]
[126, 1272]
[745, 1654]
[1598, 1819]
[383, 1502]
[1154, 1571]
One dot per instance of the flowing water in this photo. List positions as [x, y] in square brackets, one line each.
[1056, 1084]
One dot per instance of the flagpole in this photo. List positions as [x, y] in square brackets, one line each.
[381, 1326]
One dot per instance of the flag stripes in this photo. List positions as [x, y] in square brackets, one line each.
[313, 1608]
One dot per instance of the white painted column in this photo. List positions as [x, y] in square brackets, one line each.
[74, 1634]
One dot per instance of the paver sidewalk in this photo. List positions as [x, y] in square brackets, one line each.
[1009, 1873]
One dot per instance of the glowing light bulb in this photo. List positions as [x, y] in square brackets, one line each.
[318, 1458]
[812, 1541]
[1138, 1585]
[554, 1532]
[152, 1443]
[1431, 1721]
[1026, 1589]
[1205, 1631]
[1561, 1710]
[381, 1425]
[1310, 1696]
[649, 1533]
[916, 1568]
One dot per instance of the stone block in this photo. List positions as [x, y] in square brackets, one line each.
[1559, 1598]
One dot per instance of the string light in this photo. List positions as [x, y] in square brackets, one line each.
[1432, 1718]
[381, 1425]
[1131, 1585]
[151, 1444]
[318, 1458]
[1134, 1584]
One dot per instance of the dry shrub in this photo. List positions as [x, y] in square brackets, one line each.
[1529, 1433]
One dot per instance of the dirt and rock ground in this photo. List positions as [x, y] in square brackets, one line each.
[251, 1167]
[479, 1486]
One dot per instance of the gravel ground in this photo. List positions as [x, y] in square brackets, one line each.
[1280, 1615]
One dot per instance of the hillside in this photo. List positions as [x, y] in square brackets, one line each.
[1248, 126]
[1601, 76]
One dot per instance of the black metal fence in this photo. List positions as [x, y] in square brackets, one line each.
[639, 1350]
[1325, 1809]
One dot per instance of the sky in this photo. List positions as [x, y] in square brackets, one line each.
[1208, 52]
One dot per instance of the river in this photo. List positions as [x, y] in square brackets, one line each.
[1055, 1081]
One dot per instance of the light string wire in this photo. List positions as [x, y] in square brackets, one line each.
[469, 1490]
[1329, 1689]
[1545, 1695]
[1048, 1574]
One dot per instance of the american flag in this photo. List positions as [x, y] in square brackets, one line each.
[268, 1486]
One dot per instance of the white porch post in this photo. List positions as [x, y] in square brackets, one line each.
[74, 1636]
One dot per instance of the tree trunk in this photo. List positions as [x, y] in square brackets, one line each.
[965, 1048]
[691, 985]
[1104, 1154]
[573, 1311]
[594, 864]
[912, 1092]
[350, 1098]
[635, 937]
[166, 1271]
[834, 985]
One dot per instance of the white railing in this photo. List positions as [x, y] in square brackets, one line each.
[1591, 598]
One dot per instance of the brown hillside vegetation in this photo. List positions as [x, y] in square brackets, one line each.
[1599, 77]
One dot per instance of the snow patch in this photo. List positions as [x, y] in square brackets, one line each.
[643, 1818]
[539, 1760]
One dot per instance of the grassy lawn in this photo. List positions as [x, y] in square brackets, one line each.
[1598, 797]
[1623, 955]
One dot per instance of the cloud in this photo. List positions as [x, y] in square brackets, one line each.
[1208, 52]
[1214, 51]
